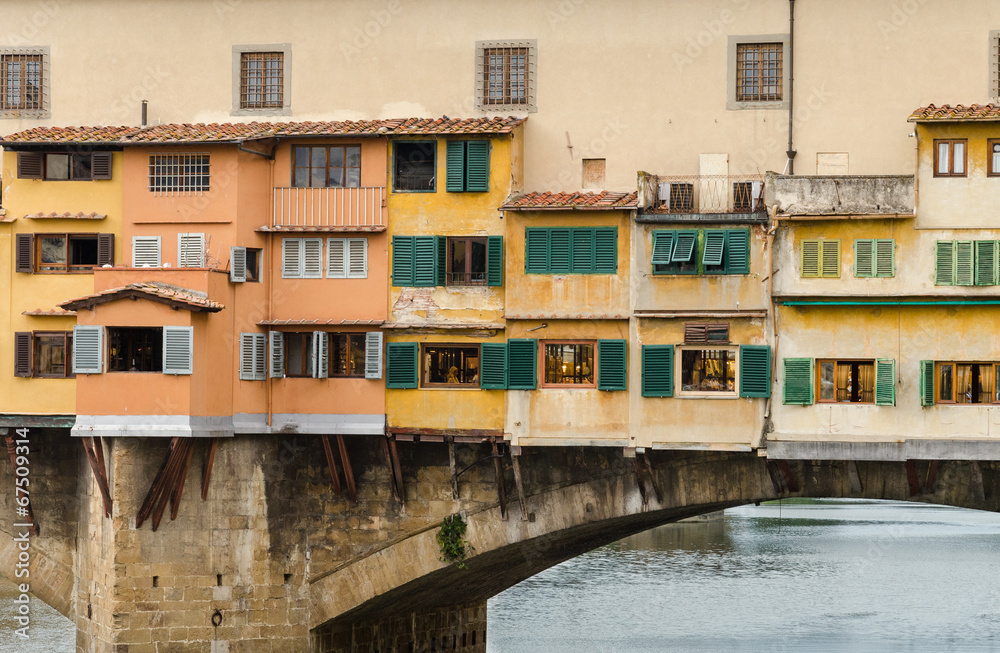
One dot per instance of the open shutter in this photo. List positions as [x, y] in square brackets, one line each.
[986, 262]
[885, 382]
[559, 251]
[425, 256]
[440, 260]
[373, 355]
[582, 246]
[191, 250]
[291, 258]
[178, 350]
[663, 245]
[477, 166]
[494, 261]
[22, 353]
[606, 250]
[944, 263]
[24, 253]
[402, 365]
[100, 165]
[248, 363]
[536, 251]
[864, 257]
[357, 258]
[964, 260]
[29, 165]
[715, 245]
[830, 258]
[260, 356]
[810, 258]
[455, 167]
[105, 249]
[798, 381]
[926, 383]
[277, 354]
[336, 258]
[402, 260]
[612, 364]
[657, 370]
[321, 355]
[755, 371]
[522, 364]
[145, 251]
[312, 258]
[684, 246]
[493, 366]
[737, 254]
[885, 257]
[238, 264]
[88, 349]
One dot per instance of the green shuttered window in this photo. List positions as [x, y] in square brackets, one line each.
[885, 382]
[571, 250]
[402, 365]
[704, 251]
[612, 364]
[820, 258]
[522, 364]
[419, 261]
[493, 366]
[755, 371]
[657, 370]
[494, 261]
[926, 383]
[955, 263]
[875, 257]
[798, 381]
[468, 166]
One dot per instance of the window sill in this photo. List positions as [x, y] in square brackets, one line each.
[734, 105]
[449, 387]
[708, 395]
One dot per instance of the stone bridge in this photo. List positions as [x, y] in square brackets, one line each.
[274, 558]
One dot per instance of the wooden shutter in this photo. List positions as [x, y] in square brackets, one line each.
[864, 257]
[402, 365]
[986, 262]
[373, 355]
[178, 350]
[582, 251]
[357, 258]
[477, 166]
[403, 260]
[493, 366]
[606, 250]
[926, 383]
[885, 382]
[657, 370]
[276, 354]
[238, 264]
[24, 253]
[191, 250]
[260, 357]
[455, 167]
[440, 260]
[88, 349]
[885, 257]
[536, 250]
[29, 165]
[715, 246]
[100, 165]
[145, 251]
[944, 263]
[312, 258]
[248, 351]
[830, 258]
[336, 258]
[684, 243]
[291, 258]
[320, 354]
[612, 364]
[22, 353]
[798, 381]
[105, 249]
[663, 245]
[964, 263]
[809, 250]
[560, 249]
[424, 261]
[522, 364]
[494, 261]
[737, 254]
[704, 332]
[755, 371]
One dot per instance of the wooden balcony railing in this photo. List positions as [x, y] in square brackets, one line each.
[707, 194]
[329, 207]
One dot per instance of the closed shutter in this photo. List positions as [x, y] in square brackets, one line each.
[440, 260]
[706, 332]
[885, 382]
[276, 354]
[657, 370]
[336, 258]
[663, 245]
[755, 371]
[291, 258]
[715, 246]
[88, 349]
[178, 350]
[810, 258]
[105, 249]
[373, 355]
[455, 167]
[248, 363]
[402, 365]
[582, 255]
[606, 250]
[477, 166]
[926, 383]
[986, 262]
[798, 387]
[190, 250]
[260, 357]
[560, 246]
[24, 253]
[964, 259]
[612, 364]
[830, 258]
[100, 165]
[22, 353]
[29, 165]
[312, 258]
[494, 261]
[944, 263]
[493, 366]
[522, 364]
[424, 263]
[402, 260]
[737, 254]
[536, 251]
[684, 246]
[145, 251]
[864, 257]
[357, 258]
[320, 354]
[238, 264]
[885, 257]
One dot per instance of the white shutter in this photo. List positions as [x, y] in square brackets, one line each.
[248, 351]
[178, 350]
[88, 349]
[357, 258]
[336, 258]
[312, 258]
[320, 352]
[145, 251]
[191, 250]
[373, 355]
[237, 264]
[277, 354]
[291, 258]
[664, 192]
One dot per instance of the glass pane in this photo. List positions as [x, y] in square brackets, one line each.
[338, 355]
[301, 177]
[826, 384]
[51, 253]
[353, 156]
[50, 356]
[945, 373]
[336, 157]
[477, 265]
[336, 178]
[942, 167]
[57, 166]
[318, 157]
[963, 384]
[301, 156]
[959, 161]
[294, 354]
[318, 179]
[83, 251]
[81, 166]
[353, 178]
[357, 354]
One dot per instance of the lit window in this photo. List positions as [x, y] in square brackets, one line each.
[846, 382]
[347, 354]
[569, 363]
[708, 370]
[450, 365]
[968, 383]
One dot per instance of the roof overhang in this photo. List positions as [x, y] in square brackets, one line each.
[172, 296]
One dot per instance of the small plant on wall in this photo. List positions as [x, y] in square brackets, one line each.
[451, 538]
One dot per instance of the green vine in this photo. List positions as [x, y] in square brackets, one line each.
[451, 537]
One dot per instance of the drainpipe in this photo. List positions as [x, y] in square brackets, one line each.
[791, 84]
[269, 291]
[144, 105]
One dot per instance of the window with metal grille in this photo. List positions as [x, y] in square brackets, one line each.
[262, 80]
[466, 261]
[505, 75]
[179, 173]
[758, 72]
[21, 82]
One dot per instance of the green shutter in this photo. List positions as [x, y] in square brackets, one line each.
[559, 251]
[944, 263]
[864, 257]
[755, 371]
[522, 364]
[715, 245]
[612, 364]
[606, 250]
[684, 246]
[798, 381]
[456, 166]
[536, 250]
[402, 260]
[493, 366]
[440, 261]
[663, 245]
[885, 382]
[424, 261]
[582, 260]
[737, 255]
[809, 250]
[926, 383]
[829, 258]
[885, 257]
[494, 261]
[964, 263]
[657, 370]
[401, 367]
[986, 262]
[477, 166]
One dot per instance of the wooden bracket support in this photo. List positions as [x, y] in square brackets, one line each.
[95, 455]
[652, 478]
[501, 486]
[639, 481]
[515, 461]
[782, 478]
[168, 485]
[206, 474]
[345, 460]
[453, 466]
[395, 469]
[36, 529]
[331, 463]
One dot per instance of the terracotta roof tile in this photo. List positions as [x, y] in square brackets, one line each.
[321, 322]
[70, 135]
[66, 216]
[52, 312]
[162, 292]
[948, 113]
[593, 201]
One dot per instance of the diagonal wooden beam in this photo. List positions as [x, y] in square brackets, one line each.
[206, 474]
[175, 495]
[345, 460]
[331, 463]
[397, 469]
[652, 477]
[154, 488]
[515, 462]
[396, 494]
[102, 482]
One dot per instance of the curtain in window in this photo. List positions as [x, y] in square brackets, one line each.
[843, 382]
[985, 384]
[963, 384]
[866, 379]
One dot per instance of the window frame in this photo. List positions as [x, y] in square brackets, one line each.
[507, 48]
[733, 101]
[68, 267]
[309, 168]
[156, 359]
[332, 372]
[39, 54]
[991, 170]
[282, 108]
[254, 256]
[543, 356]
[307, 354]
[951, 142]
[765, 73]
[679, 390]
[165, 166]
[697, 266]
[819, 362]
[422, 366]
[449, 270]
[395, 166]
[67, 344]
[954, 390]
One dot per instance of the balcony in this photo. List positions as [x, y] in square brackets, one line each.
[700, 197]
[878, 196]
[328, 209]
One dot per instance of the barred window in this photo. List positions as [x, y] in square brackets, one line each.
[759, 72]
[178, 173]
[24, 82]
[506, 75]
[262, 80]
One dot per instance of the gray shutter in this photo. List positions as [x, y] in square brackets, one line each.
[100, 165]
[312, 258]
[88, 349]
[238, 264]
[320, 353]
[259, 357]
[178, 350]
[105, 249]
[22, 353]
[277, 354]
[357, 258]
[248, 352]
[29, 165]
[24, 253]
[146, 251]
[291, 258]
[373, 355]
[336, 258]
[191, 250]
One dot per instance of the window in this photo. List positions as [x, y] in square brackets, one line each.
[748, 196]
[414, 166]
[347, 354]
[43, 354]
[708, 370]
[134, 349]
[298, 354]
[949, 157]
[253, 357]
[875, 257]
[146, 251]
[452, 366]
[24, 82]
[966, 383]
[466, 261]
[993, 157]
[707, 332]
[505, 75]
[427, 260]
[701, 251]
[262, 80]
[191, 250]
[846, 382]
[966, 262]
[244, 264]
[758, 72]
[576, 250]
[178, 173]
[64, 166]
[326, 166]
[302, 258]
[347, 258]
[64, 253]
[568, 363]
[820, 258]
[839, 381]
[468, 166]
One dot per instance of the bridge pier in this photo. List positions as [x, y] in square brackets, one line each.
[452, 628]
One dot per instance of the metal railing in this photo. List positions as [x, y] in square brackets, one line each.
[705, 194]
[329, 207]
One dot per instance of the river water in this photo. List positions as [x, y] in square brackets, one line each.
[824, 576]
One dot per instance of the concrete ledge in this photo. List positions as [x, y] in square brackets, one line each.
[310, 424]
[153, 426]
[886, 451]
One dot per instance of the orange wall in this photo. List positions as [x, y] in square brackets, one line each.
[374, 159]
